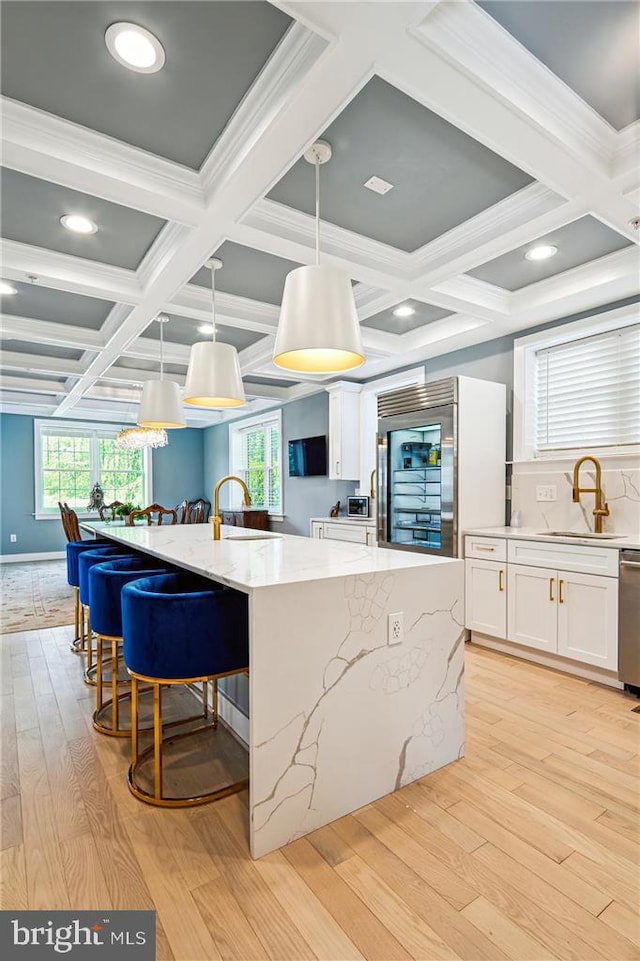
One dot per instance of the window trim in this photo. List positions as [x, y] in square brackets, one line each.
[81, 429]
[236, 428]
[524, 350]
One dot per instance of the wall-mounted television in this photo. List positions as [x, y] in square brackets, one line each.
[308, 457]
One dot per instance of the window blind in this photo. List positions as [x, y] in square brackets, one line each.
[588, 392]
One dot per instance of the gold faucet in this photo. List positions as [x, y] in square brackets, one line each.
[601, 509]
[217, 520]
[372, 487]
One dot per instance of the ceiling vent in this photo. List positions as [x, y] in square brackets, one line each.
[378, 185]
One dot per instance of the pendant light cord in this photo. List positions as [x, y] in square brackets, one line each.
[317, 166]
[161, 348]
[213, 304]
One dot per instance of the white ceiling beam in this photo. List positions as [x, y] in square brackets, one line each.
[31, 385]
[71, 274]
[38, 363]
[16, 327]
[42, 145]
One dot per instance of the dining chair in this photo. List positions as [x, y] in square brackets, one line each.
[198, 511]
[154, 514]
[109, 507]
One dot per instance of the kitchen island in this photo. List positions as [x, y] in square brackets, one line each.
[341, 711]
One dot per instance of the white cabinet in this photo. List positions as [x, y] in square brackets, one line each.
[574, 615]
[344, 431]
[486, 597]
[545, 607]
[356, 533]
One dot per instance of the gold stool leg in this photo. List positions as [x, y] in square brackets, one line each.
[134, 721]
[114, 685]
[99, 674]
[215, 702]
[76, 613]
[89, 643]
[157, 740]
[205, 694]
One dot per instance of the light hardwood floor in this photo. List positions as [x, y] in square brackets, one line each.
[525, 849]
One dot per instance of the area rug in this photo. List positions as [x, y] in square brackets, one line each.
[34, 596]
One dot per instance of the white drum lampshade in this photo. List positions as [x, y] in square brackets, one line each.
[319, 330]
[213, 376]
[160, 405]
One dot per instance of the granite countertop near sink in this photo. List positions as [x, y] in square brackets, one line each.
[619, 542]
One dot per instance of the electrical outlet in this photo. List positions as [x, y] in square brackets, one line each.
[546, 492]
[13, 538]
[395, 628]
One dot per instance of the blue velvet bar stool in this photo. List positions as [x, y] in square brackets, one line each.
[106, 581]
[180, 629]
[74, 549]
[86, 560]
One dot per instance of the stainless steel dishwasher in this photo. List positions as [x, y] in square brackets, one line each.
[629, 621]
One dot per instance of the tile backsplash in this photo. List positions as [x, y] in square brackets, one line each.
[621, 491]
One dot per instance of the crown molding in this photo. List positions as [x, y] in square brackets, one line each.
[42, 145]
[231, 309]
[517, 219]
[70, 274]
[475, 294]
[31, 385]
[626, 158]
[470, 38]
[16, 327]
[58, 366]
[27, 404]
[293, 58]
[171, 238]
[337, 244]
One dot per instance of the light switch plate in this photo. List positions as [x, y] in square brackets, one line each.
[546, 492]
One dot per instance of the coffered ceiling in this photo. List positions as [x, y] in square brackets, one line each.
[500, 125]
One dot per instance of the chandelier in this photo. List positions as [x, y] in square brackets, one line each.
[135, 438]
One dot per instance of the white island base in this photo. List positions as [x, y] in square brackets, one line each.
[339, 715]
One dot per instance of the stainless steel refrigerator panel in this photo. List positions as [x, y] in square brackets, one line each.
[629, 619]
[443, 421]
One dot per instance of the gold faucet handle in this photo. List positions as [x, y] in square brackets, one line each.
[602, 511]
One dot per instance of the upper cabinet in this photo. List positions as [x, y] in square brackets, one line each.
[344, 431]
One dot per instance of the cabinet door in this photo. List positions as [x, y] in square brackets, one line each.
[372, 540]
[532, 606]
[356, 534]
[588, 619]
[316, 529]
[486, 597]
[335, 436]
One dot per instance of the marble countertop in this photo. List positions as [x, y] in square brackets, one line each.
[249, 559]
[620, 542]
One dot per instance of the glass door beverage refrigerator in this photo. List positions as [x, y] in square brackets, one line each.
[441, 464]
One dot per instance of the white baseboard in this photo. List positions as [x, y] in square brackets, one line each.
[24, 558]
[547, 660]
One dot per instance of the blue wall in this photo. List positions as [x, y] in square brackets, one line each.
[177, 473]
[304, 497]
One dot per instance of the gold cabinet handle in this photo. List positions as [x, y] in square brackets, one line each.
[480, 547]
[552, 581]
[500, 580]
[560, 594]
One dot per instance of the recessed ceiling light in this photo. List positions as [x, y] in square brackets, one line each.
[78, 224]
[134, 47]
[7, 289]
[205, 329]
[542, 252]
[404, 311]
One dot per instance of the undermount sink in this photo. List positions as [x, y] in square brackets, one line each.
[251, 537]
[582, 536]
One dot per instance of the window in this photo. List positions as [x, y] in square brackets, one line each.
[71, 458]
[578, 387]
[255, 447]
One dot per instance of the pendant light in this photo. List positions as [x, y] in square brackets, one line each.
[213, 377]
[160, 405]
[319, 331]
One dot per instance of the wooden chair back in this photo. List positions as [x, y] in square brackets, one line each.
[104, 510]
[154, 514]
[69, 523]
[198, 511]
[181, 510]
